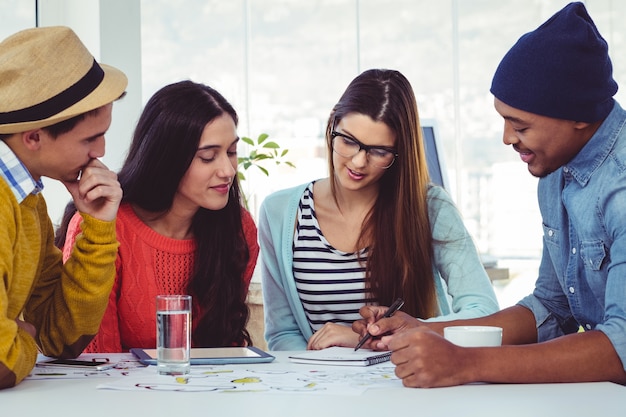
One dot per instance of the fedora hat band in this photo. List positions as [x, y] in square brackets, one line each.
[56, 104]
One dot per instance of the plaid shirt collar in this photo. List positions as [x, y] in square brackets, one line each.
[16, 175]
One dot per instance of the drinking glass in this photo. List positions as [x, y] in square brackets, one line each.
[173, 334]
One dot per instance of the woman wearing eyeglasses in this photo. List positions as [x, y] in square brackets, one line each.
[374, 231]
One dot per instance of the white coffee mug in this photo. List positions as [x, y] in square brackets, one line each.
[473, 336]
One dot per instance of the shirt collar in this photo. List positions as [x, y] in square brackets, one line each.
[16, 175]
[595, 152]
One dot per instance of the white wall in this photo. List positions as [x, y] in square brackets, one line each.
[111, 30]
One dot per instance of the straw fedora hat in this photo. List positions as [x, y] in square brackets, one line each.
[47, 75]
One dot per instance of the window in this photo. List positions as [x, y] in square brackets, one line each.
[284, 63]
[16, 15]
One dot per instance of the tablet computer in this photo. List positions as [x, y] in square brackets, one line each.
[211, 356]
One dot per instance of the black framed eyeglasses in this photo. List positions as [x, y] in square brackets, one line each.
[347, 146]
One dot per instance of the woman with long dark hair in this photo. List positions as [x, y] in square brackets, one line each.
[373, 231]
[181, 226]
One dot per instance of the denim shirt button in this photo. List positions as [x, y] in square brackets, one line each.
[550, 233]
[574, 251]
[571, 290]
[588, 326]
[565, 169]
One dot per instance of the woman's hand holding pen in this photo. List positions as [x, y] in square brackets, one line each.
[374, 323]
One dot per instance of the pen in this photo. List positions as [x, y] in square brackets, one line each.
[392, 309]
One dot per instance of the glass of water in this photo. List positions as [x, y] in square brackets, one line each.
[173, 334]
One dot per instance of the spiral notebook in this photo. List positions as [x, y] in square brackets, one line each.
[341, 356]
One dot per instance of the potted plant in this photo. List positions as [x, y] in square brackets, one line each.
[261, 151]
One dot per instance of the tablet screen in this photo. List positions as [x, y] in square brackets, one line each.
[228, 352]
[206, 356]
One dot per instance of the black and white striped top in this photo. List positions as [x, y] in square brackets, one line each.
[330, 283]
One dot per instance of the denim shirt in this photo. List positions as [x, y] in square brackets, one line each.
[582, 276]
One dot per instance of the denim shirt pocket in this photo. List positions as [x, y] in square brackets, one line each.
[551, 236]
[552, 244]
[593, 254]
[595, 259]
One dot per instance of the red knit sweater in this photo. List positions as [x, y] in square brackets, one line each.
[147, 264]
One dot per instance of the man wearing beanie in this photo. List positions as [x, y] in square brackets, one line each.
[55, 107]
[554, 89]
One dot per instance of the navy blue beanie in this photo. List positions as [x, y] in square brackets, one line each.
[560, 70]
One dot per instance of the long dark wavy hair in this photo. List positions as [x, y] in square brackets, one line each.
[164, 144]
[397, 229]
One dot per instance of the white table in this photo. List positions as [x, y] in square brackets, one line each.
[74, 397]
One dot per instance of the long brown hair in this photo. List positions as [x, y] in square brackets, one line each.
[164, 144]
[397, 228]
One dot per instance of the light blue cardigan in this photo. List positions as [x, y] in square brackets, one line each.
[463, 287]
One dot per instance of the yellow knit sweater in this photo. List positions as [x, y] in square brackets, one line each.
[65, 303]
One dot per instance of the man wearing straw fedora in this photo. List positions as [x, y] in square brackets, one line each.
[55, 107]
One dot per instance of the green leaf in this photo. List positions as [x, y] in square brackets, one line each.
[259, 152]
[271, 145]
